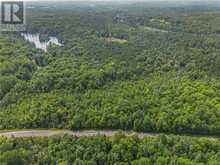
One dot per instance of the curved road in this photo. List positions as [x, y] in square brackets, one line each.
[82, 133]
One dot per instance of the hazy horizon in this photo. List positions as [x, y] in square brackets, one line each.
[118, 0]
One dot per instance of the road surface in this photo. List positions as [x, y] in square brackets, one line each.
[82, 133]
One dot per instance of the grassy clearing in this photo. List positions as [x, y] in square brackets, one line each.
[153, 29]
[112, 39]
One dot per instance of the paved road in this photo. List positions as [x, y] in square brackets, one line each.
[86, 133]
[82, 133]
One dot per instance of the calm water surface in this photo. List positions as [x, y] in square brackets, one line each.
[35, 39]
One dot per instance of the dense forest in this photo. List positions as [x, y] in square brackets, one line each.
[128, 67]
[118, 150]
[133, 68]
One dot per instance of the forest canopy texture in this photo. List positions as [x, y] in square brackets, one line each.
[120, 67]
